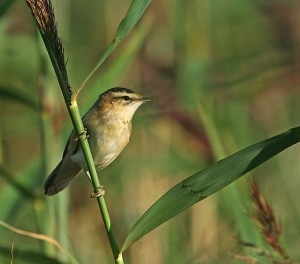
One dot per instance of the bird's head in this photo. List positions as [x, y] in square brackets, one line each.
[122, 101]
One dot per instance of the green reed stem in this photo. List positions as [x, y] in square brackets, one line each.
[79, 128]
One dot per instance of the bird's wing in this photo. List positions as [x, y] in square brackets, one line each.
[66, 170]
[72, 145]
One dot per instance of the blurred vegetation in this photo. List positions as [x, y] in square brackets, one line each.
[224, 75]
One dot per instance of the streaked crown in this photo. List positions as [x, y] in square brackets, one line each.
[122, 96]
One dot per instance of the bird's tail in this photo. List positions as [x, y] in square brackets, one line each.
[60, 177]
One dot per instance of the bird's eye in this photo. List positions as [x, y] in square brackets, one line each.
[126, 98]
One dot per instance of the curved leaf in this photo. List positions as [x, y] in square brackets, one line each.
[133, 15]
[27, 256]
[20, 95]
[208, 181]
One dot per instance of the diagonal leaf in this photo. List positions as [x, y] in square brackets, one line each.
[40, 237]
[208, 181]
[133, 15]
[27, 256]
[20, 95]
[11, 179]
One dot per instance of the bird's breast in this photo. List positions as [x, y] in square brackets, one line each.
[110, 140]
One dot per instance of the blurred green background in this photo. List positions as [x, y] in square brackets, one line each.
[224, 75]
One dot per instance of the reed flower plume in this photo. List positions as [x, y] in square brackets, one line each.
[266, 220]
[270, 228]
[43, 14]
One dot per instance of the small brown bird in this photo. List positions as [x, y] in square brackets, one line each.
[108, 124]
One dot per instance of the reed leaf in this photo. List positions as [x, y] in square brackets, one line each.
[208, 181]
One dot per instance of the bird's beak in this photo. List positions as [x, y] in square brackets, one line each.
[146, 99]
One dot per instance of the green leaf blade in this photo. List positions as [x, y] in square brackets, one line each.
[208, 181]
[133, 15]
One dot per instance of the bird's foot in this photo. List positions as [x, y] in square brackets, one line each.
[83, 133]
[99, 193]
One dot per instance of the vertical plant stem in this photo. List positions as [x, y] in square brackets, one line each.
[79, 128]
[43, 13]
[78, 125]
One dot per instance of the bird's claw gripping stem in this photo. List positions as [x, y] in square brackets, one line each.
[99, 193]
[83, 133]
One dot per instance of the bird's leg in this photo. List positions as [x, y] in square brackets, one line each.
[83, 133]
[99, 193]
[101, 190]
